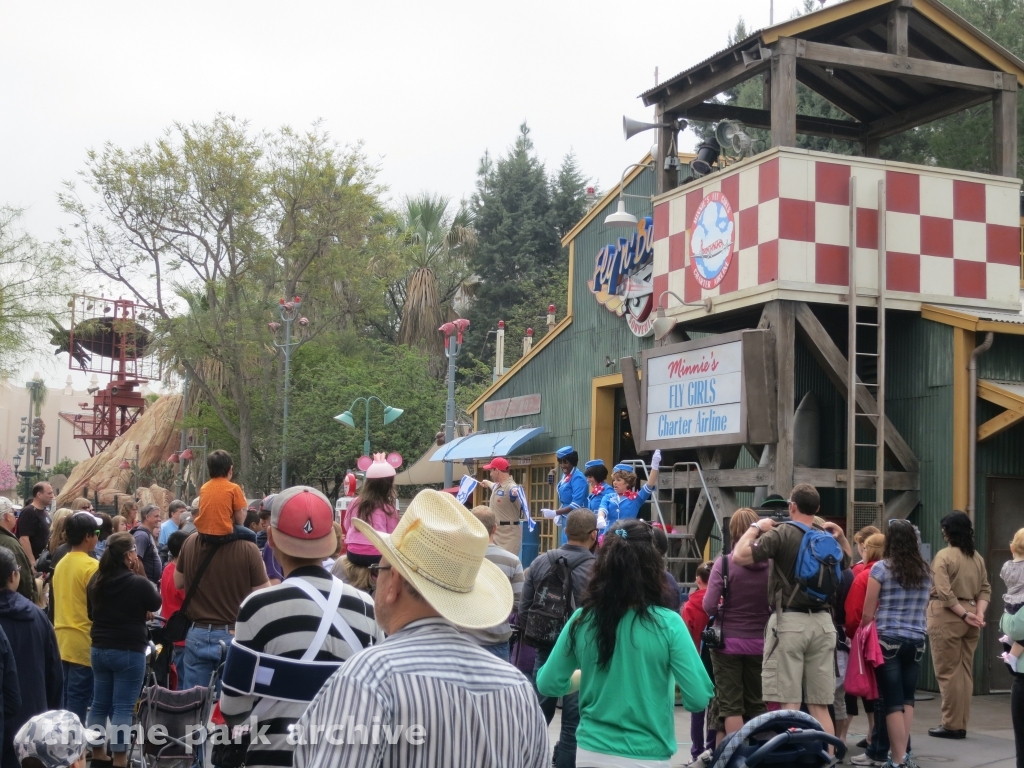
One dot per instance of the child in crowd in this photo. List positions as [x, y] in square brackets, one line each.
[376, 504]
[219, 498]
[54, 739]
[1012, 574]
[696, 619]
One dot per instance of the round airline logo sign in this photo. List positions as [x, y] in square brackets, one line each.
[711, 240]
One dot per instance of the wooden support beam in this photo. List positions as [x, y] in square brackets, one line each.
[963, 345]
[701, 519]
[887, 65]
[833, 363]
[781, 318]
[849, 99]
[899, 23]
[1004, 130]
[631, 393]
[703, 85]
[901, 505]
[872, 146]
[996, 394]
[664, 180]
[1000, 423]
[762, 118]
[784, 93]
[949, 104]
[748, 479]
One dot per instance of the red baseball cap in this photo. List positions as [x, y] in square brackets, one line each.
[498, 463]
[303, 523]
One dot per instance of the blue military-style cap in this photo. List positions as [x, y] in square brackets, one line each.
[594, 463]
[622, 468]
[564, 451]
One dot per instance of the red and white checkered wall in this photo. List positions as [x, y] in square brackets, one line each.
[949, 236]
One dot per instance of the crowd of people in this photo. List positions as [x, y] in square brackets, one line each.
[419, 639]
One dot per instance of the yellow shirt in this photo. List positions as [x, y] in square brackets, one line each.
[70, 612]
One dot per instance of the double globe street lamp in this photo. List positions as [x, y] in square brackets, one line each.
[348, 419]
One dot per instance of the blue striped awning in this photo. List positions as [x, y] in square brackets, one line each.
[484, 445]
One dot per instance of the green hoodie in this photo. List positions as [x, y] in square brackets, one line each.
[628, 709]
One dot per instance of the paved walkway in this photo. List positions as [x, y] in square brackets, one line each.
[989, 742]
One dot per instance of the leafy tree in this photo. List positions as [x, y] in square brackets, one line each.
[33, 280]
[209, 227]
[326, 384]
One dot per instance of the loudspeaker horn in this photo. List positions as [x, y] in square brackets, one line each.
[631, 128]
[755, 55]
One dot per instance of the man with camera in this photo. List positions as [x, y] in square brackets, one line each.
[800, 640]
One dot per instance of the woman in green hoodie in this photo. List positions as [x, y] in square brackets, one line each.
[631, 651]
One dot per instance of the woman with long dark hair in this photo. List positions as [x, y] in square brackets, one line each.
[376, 504]
[897, 601]
[118, 601]
[960, 594]
[631, 651]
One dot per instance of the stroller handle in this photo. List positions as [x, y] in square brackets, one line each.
[795, 737]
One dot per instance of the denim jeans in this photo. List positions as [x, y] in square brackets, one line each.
[897, 677]
[117, 682]
[77, 688]
[178, 658]
[203, 656]
[565, 747]
[501, 650]
[1017, 716]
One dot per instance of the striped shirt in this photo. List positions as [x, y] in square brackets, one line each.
[513, 568]
[282, 620]
[438, 697]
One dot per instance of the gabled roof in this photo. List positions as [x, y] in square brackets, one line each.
[935, 34]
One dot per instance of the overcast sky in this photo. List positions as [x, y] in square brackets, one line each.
[426, 86]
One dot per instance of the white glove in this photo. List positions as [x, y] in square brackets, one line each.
[655, 460]
[548, 513]
[602, 520]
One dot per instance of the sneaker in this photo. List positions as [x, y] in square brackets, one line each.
[864, 760]
[863, 743]
[909, 762]
[891, 764]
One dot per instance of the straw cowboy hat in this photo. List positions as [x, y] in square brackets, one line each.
[439, 547]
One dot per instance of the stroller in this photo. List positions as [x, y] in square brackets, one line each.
[180, 713]
[785, 737]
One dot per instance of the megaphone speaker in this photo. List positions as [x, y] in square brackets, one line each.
[631, 128]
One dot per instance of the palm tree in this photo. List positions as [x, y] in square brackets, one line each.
[435, 244]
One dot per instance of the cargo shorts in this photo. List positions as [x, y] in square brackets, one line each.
[801, 666]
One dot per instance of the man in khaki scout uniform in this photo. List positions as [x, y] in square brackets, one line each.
[506, 504]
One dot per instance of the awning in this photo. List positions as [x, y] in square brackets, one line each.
[423, 472]
[484, 445]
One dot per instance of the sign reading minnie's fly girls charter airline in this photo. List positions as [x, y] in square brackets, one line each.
[714, 391]
[695, 393]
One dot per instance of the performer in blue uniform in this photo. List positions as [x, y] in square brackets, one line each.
[596, 473]
[572, 487]
[625, 502]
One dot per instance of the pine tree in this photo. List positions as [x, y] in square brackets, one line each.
[568, 195]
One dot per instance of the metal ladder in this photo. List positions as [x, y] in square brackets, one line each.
[860, 366]
[689, 553]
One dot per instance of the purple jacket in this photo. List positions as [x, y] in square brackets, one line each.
[746, 610]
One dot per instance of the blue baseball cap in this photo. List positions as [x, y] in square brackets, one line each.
[564, 451]
[622, 468]
[594, 463]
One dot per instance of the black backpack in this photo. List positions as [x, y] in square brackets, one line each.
[553, 604]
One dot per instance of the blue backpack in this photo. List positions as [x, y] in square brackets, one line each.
[818, 564]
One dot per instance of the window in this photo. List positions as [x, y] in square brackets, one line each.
[46, 458]
[542, 494]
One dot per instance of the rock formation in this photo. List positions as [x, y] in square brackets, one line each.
[157, 437]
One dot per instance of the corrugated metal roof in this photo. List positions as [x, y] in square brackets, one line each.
[993, 316]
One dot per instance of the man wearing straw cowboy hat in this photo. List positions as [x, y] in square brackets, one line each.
[428, 696]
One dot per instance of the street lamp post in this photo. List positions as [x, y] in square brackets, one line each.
[346, 418]
[289, 311]
[452, 346]
[187, 454]
[133, 466]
